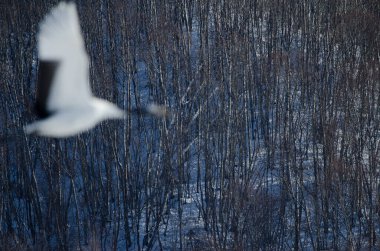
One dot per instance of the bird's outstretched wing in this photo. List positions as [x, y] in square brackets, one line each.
[63, 68]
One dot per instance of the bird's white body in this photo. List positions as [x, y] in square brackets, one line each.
[66, 96]
[74, 120]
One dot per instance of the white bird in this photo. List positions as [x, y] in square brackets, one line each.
[64, 102]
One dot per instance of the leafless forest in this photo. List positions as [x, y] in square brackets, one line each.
[273, 142]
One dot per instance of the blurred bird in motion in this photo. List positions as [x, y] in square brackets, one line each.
[64, 101]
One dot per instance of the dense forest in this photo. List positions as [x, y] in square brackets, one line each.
[272, 143]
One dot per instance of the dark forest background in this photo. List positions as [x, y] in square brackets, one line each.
[273, 141]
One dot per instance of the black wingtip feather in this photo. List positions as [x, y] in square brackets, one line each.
[46, 73]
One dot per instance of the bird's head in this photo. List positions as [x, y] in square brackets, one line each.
[159, 111]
